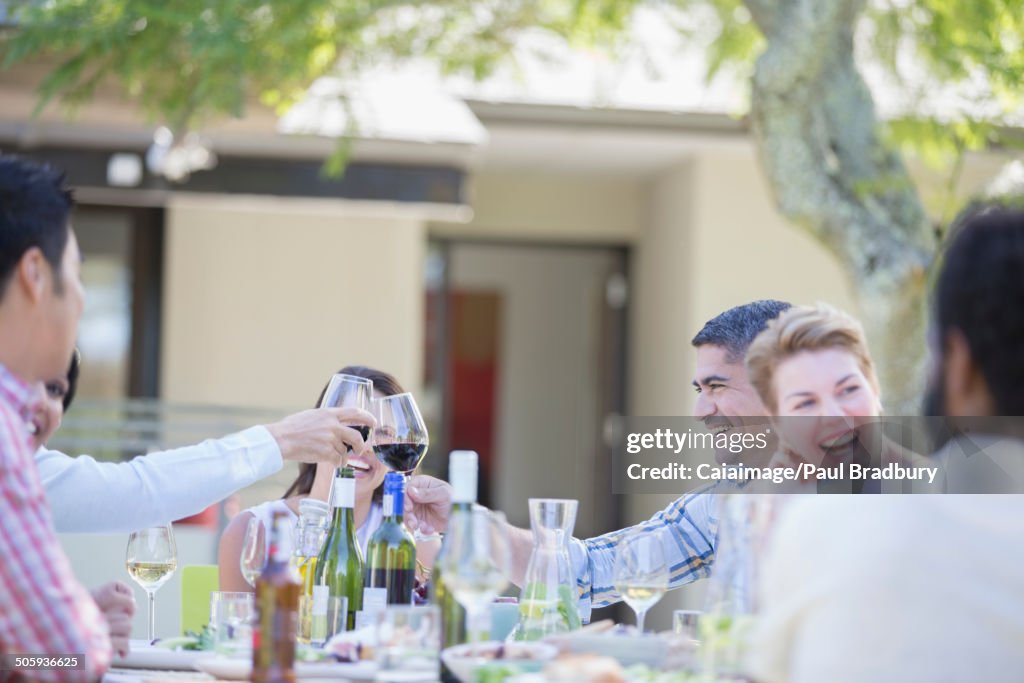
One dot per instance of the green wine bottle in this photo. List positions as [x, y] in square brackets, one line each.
[391, 553]
[463, 468]
[339, 566]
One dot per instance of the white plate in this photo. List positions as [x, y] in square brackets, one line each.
[463, 660]
[145, 656]
[239, 669]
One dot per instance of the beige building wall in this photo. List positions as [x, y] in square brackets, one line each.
[540, 206]
[265, 298]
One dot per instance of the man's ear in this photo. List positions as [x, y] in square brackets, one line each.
[967, 392]
[32, 273]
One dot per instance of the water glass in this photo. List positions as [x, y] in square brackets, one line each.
[504, 617]
[409, 643]
[327, 617]
[686, 622]
[231, 619]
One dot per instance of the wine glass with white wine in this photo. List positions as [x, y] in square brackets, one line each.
[151, 559]
[640, 573]
[476, 564]
[254, 553]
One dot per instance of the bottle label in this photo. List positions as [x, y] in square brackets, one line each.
[320, 596]
[344, 495]
[281, 541]
[374, 600]
[389, 504]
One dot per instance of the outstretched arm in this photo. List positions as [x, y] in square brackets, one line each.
[97, 497]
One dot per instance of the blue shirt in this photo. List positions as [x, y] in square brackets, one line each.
[689, 526]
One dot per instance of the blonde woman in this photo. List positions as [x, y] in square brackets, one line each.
[812, 370]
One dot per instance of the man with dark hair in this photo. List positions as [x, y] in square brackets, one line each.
[921, 588]
[725, 396]
[735, 329]
[43, 609]
[689, 523]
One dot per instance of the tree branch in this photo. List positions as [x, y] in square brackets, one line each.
[765, 14]
[816, 129]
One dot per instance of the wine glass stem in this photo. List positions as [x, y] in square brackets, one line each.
[152, 616]
[640, 614]
[476, 629]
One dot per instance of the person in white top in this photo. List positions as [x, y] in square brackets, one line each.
[104, 497]
[914, 588]
[314, 481]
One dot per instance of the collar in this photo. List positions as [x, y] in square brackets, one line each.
[17, 394]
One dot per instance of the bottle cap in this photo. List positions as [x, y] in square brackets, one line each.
[463, 470]
[394, 482]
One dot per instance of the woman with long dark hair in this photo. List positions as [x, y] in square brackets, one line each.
[315, 481]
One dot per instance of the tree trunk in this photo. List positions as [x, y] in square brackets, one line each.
[817, 134]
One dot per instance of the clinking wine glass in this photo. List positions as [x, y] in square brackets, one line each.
[151, 559]
[400, 440]
[476, 564]
[349, 391]
[640, 573]
[254, 553]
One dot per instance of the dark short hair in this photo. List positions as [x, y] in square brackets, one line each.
[34, 208]
[736, 328]
[980, 293]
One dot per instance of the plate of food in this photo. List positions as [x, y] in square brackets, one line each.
[495, 661]
[624, 644]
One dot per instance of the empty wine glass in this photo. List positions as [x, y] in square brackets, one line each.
[254, 553]
[151, 559]
[640, 573]
[476, 563]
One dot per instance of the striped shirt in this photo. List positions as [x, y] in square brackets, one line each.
[689, 527]
[43, 609]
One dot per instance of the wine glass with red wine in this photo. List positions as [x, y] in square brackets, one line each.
[400, 439]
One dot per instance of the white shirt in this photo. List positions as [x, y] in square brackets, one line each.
[905, 588]
[107, 497]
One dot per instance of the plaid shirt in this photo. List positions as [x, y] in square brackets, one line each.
[43, 609]
[689, 526]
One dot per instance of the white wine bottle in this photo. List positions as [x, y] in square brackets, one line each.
[463, 469]
[339, 567]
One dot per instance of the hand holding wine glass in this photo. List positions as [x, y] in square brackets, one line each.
[254, 552]
[640, 573]
[151, 559]
[349, 391]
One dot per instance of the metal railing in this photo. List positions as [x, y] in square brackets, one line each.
[121, 429]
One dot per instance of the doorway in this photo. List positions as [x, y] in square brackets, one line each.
[526, 348]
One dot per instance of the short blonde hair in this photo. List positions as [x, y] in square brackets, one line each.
[805, 328]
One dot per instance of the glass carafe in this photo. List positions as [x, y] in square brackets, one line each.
[730, 608]
[549, 602]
